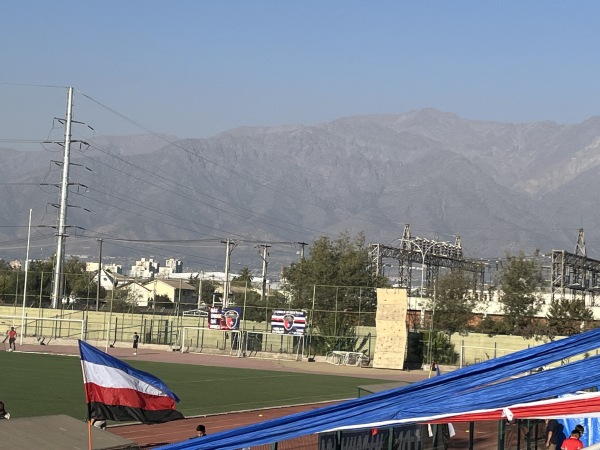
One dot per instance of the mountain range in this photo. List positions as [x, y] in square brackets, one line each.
[499, 186]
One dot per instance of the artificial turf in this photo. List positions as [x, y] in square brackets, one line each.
[39, 385]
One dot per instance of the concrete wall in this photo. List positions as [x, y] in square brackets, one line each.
[476, 347]
[388, 342]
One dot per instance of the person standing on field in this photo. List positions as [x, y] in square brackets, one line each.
[136, 340]
[12, 338]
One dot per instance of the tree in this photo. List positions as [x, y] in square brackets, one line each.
[331, 283]
[208, 288]
[78, 282]
[10, 283]
[520, 281]
[567, 317]
[493, 326]
[440, 348]
[454, 302]
[40, 280]
[245, 275]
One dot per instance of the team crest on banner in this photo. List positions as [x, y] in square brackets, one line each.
[224, 318]
[231, 319]
[288, 322]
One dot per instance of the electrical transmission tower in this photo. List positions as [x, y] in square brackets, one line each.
[58, 284]
[430, 254]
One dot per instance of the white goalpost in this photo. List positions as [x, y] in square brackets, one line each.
[240, 342]
[205, 340]
[45, 327]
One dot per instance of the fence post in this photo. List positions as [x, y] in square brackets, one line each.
[335, 312]
[471, 434]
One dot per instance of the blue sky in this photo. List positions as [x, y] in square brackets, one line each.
[195, 68]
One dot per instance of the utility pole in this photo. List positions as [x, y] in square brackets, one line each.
[302, 245]
[99, 275]
[200, 291]
[228, 249]
[57, 289]
[265, 263]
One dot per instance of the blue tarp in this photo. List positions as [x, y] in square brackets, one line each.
[490, 384]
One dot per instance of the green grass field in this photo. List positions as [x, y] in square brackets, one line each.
[39, 385]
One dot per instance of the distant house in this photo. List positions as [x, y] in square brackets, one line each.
[136, 293]
[109, 280]
[177, 291]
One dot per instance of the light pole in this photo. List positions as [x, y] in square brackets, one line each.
[430, 352]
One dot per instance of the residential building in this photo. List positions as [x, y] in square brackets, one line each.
[177, 291]
[172, 266]
[137, 293]
[144, 268]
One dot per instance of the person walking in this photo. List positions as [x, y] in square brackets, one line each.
[136, 340]
[12, 338]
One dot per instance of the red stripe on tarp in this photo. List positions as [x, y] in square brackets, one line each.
[565, 406]
[127, 397]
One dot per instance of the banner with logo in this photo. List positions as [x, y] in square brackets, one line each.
[224, 318]
[288, 322]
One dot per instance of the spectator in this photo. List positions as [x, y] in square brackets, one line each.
[552, 432]
[201, 430]
[572, 442]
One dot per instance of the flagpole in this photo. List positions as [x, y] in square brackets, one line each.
[25, 287]
[90, 447]
[89, 408]
[112, 293]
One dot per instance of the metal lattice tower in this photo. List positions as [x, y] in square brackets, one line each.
[431, 254]
[575, 274]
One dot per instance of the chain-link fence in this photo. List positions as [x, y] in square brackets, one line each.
[337, 318]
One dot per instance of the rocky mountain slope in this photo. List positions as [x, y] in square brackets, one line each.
[499, 186]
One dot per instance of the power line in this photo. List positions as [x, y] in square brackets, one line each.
[240, 175]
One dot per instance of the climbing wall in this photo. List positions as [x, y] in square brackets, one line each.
[390, 347]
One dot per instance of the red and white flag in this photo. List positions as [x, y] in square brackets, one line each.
[116, 391]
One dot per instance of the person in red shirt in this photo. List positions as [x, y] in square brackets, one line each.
[572, 442]
[12, 337]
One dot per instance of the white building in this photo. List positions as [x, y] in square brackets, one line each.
[144, 268]
[172, 266]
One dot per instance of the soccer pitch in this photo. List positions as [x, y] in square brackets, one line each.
[40, 385]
